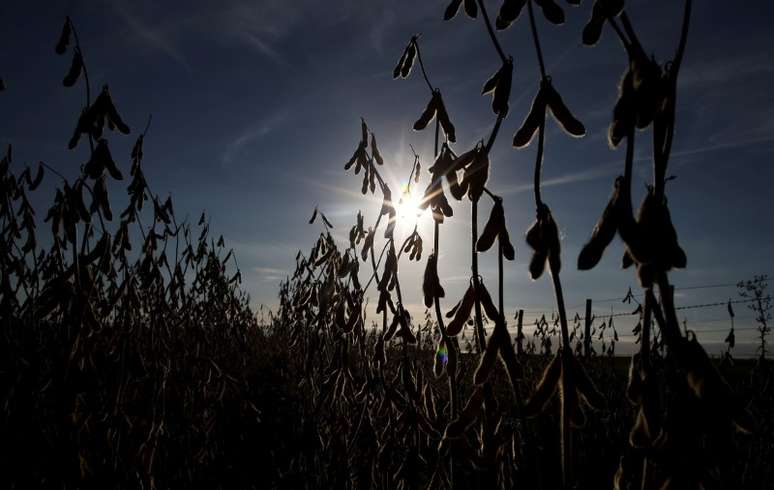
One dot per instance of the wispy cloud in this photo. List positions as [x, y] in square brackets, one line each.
[720, 71]
[592, 173]
[261, 25]
[613, 168]
[255, 132]
[270, 273]
[153, 36]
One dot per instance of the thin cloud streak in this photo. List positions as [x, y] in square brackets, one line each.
[149, 35]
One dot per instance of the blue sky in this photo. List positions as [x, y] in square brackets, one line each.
[256, 107]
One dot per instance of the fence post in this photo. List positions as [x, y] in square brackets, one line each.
[587, 331]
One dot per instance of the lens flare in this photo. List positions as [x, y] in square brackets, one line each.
[442, 353]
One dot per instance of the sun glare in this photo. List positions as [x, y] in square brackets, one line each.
[407, 208]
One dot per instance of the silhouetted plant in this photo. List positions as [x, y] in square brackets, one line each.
[755, 289]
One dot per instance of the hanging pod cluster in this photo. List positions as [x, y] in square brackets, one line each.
[499, 85]
[94, 118]
[434, 196]
[361, 160]
[403, 68]
[470, 7]
[646, 93]
[543, 238]
[565, 374]
[413, 246]
[495, 228]
[499, 346]
[474, 165]
[600, 12]
[509, 11]
[650, 239]
[476, 293]
[431, 285]
[436, 109]
[547, 98]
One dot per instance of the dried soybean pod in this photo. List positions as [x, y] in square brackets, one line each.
[391, 222]
[468, 415]
[64, 37]
[363, 133]
[458, 189]
[427, 114]
[491, 84]
[537, 265]
[509, 12]
[452, 9]
[462, 161]
[108, 162]
[532, 122]
[583, 384]
[95, 166]
[375, 151]
[355, 158]
[603, 232]
[325, 220]
[399, 67]
[476, 175]
[503, 90]
[112, 112]
[444, 121]
[546, 387]
[445, 208]
[367, 243]
[486, 302]
[511, 363]
[411, 52]
[488, 359]
[626, 260]
[393, 327]
[561, 113]
[75, 70]
[100, 190]
[463, 312]
[593, 30]
[38, 178]
[624, 111]
[552, 11]
[640, 436]
[431, 286]
[634, 385]
[534, 236]
[387, 206]
[471, 8]
[492, 229]
[454, 309]
[508, 251]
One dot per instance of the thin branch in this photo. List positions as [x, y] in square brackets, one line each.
[421, 64]
[539, 162]
[492, 35]
[536, 39]
[683, 38]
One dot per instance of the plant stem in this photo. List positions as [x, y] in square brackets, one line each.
[539, 162]
[479, 325]
[536, 40]
[488, 23]
[422, 67]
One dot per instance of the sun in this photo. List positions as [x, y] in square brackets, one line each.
[407, 207]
